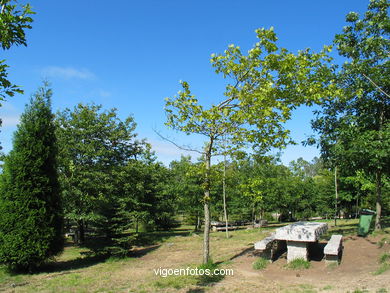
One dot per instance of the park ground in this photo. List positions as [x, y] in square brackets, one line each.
[75, 270]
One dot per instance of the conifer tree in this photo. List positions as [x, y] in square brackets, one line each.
[30, 205]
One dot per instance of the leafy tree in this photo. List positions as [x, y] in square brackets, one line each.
[14, 20]
[93, 145]
[186, 182]
[262, 89]
[354, 128]
[30, 205]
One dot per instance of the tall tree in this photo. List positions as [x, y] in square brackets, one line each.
[30, 204]
[93, 145]
[354, 128]
[263, 87]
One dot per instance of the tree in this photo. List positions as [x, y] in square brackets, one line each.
[186, 181]
[30, 205]
[93, 145]
[262, 89]
[14, 20]
[354, 128]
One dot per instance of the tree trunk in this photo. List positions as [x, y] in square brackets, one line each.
[198, 224]
[224, 197]
[379, 173]
[336, 193]
[378, 200]
[80, 232]
[206, 239]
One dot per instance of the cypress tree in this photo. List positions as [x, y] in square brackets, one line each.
[30, 207]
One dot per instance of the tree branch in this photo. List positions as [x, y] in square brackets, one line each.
[227, 101]
[382, 91]
[184, 148]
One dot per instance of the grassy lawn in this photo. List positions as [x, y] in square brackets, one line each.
[76, 271]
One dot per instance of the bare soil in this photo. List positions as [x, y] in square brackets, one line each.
[355, 272]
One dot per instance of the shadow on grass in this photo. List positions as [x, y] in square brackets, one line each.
[94, 255]
[243, 252]
[342, 230]
[207, 279]
[74, 264]
[151, 238]
[196, 290]
[142, 251]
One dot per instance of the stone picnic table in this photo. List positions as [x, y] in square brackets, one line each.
[298, 236]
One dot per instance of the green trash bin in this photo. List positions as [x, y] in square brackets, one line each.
[365, 221]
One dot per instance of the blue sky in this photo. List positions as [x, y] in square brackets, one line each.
[132, 54]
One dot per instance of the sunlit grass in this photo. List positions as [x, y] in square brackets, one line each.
[298, 264]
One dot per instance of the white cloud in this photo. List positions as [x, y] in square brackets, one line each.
[68, 72]
[104, 94]
[9, 114]
[10, 120]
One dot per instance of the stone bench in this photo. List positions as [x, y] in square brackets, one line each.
[269, 247]
[216, 229]
[334, 249]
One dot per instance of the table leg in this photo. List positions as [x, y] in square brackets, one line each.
[296, 250]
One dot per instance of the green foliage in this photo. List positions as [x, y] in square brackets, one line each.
[30, 203]
[298, 264]
[260, 263]
[96, 150]
[354, 127]
[14, 20]
[262, 88]
[110, 180]
[186, 184]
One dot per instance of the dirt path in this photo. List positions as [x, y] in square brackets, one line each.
[359, 261]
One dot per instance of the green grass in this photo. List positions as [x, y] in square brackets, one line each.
[383, 241]
[260, 264]
[384, 258]
[176, 282]
[184, 281]
[298, 264]
[384, 261]
[383, 268]
[205, 279]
